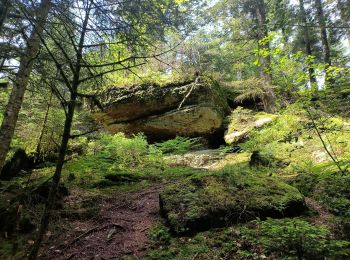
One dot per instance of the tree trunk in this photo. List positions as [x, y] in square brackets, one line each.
[64, 143]
[38, 147]
[308, 49]
[16, 98]
[324, 37]
[4, 8]
[344, 9]
[262, 33]
[56, 179]
[265, 61]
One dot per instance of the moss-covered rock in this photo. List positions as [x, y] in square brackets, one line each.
[202, 202]
[186, 109]
[243, 121]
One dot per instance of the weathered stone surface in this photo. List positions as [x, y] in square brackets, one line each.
[203, 202]
[243, 121]
[186, 109]
[203, 159]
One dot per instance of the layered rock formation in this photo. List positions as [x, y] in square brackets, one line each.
[186, 109]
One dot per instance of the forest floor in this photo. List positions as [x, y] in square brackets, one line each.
[123, 222]
[120, 229]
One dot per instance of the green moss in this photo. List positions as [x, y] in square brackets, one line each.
[199, 246]
[271, 239]
[208, 200]
[242, 123]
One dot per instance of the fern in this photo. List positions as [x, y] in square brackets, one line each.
[252, 89]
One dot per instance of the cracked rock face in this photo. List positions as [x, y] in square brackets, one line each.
[187, 109]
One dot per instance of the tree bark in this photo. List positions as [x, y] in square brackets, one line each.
[345, 16]
[265, 61]
[19, 87]
[263, 33]
[38, 147]
[4, 8]
[324, 37]
[308, 49]
[64, 142]
[56, 179]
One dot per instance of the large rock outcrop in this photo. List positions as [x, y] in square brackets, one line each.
[186, 109]
[201, 202]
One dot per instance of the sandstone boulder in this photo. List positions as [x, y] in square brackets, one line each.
[186, 109]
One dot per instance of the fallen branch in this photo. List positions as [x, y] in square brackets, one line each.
[86, 133]
[91, 231]
[318, 132]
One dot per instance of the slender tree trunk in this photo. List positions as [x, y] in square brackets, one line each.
[4, 8]
[38, 147]
[344, 9]
[263, 33]
[56, 179]
[308, 49]
[64, 142]
[16, 98]
[265, 61]
[324, 37]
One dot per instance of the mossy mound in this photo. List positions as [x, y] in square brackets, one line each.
[199, 203]
[243, 121]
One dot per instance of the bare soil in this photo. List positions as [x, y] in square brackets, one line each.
[324, 217]
[119, 229]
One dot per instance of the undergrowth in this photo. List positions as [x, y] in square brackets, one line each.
[271, 239]
[178, 145]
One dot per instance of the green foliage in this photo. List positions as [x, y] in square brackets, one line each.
[160, 234]
[328, 187]
[125, 152]
[293, 237]
[245, 120]
[250, 90]
[178, 145]
[225, 149]
[271, 138]
[126, 158]
[177, 248]
[273, 238]
[10, 248]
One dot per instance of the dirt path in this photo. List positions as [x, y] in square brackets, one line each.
[119, 229]
[324, 217]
